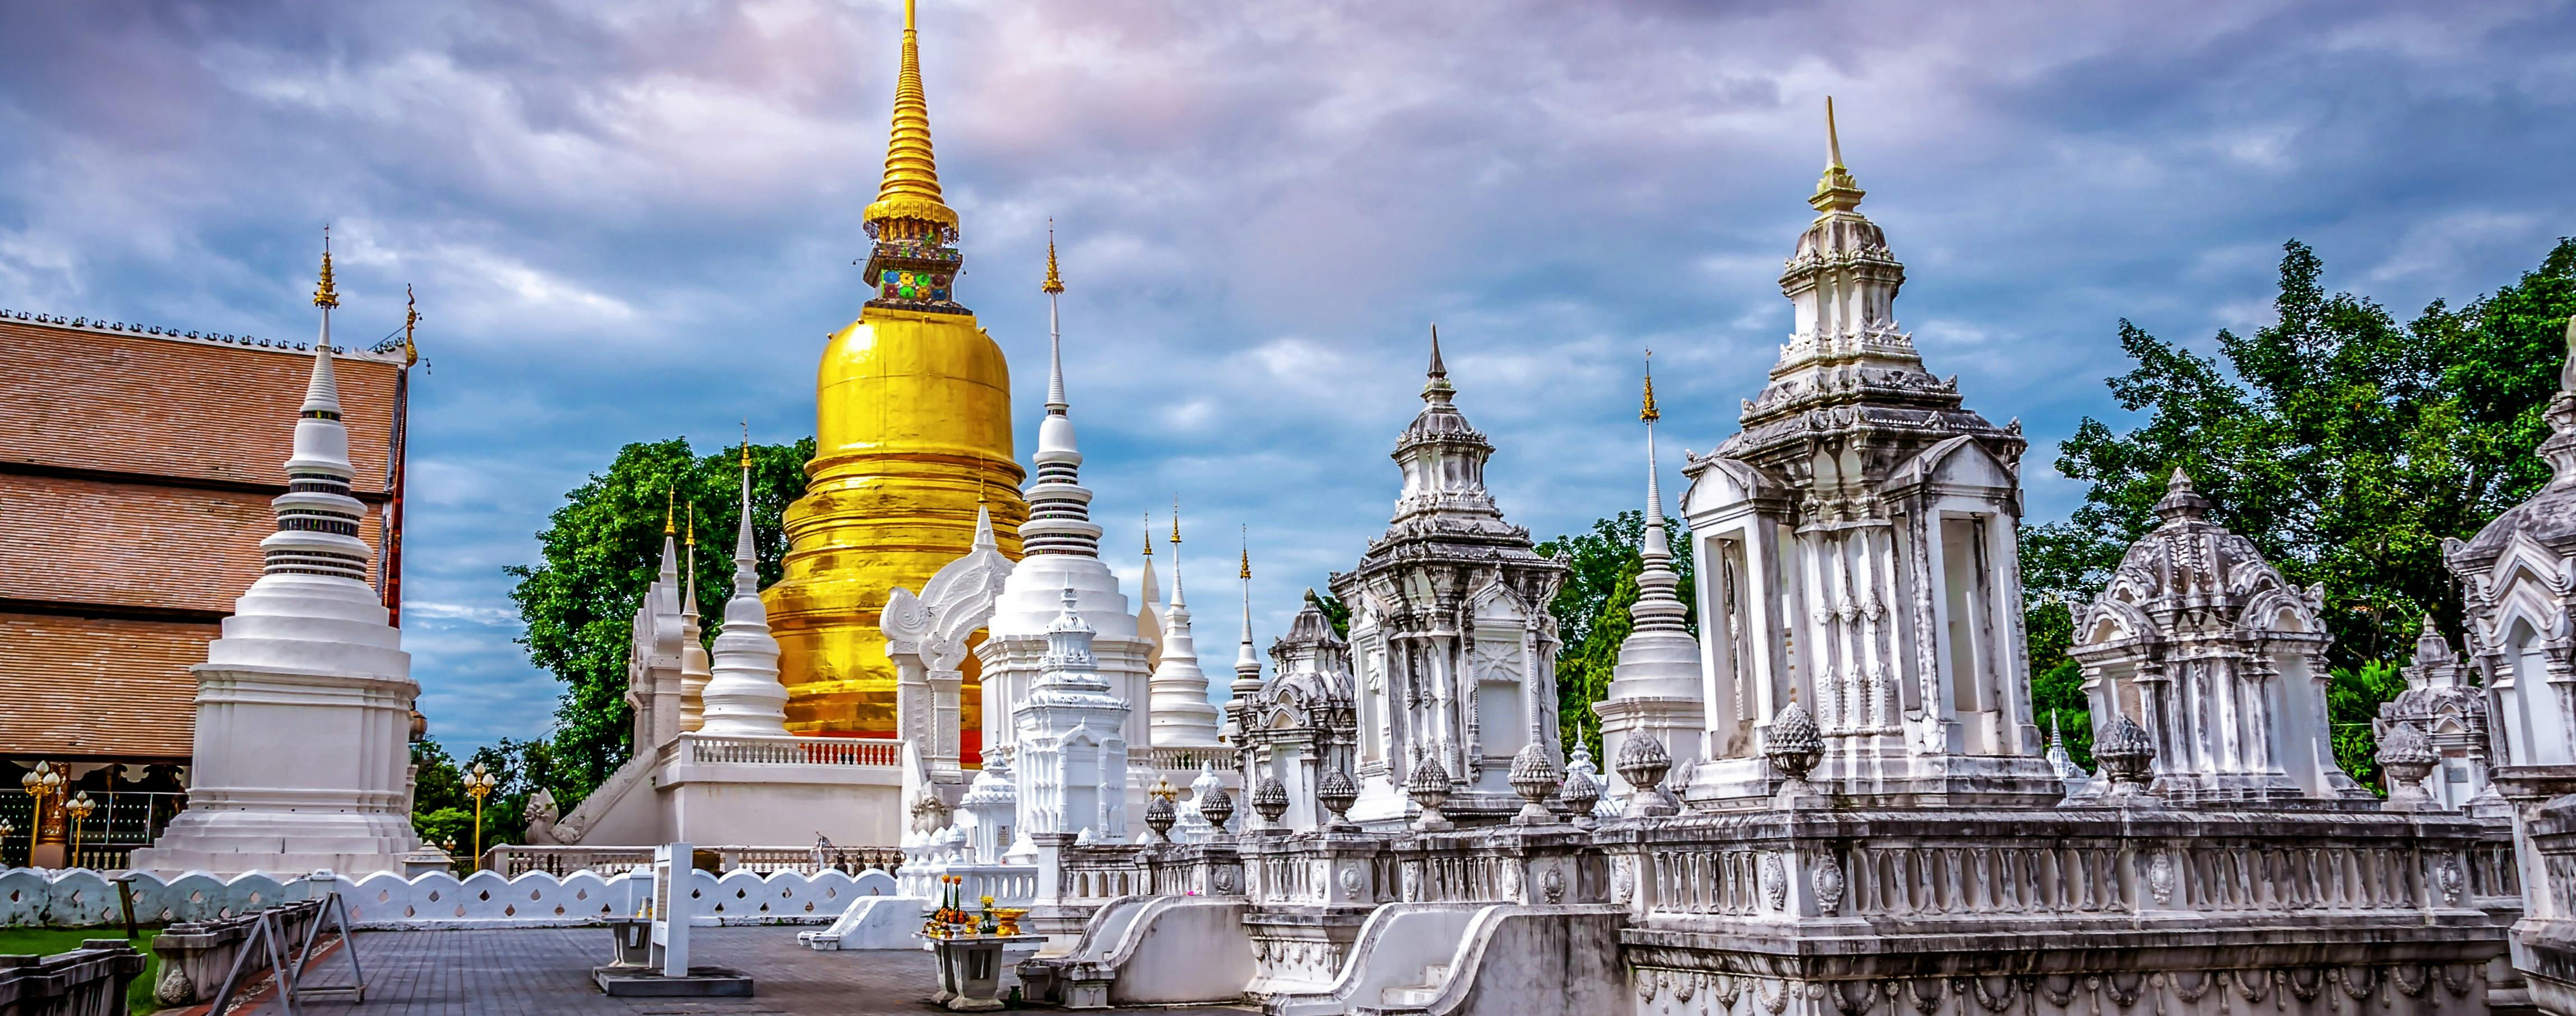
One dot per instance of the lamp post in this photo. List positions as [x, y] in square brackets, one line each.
[40, 783]
[6, 827]
[478, 785]
[79, 808]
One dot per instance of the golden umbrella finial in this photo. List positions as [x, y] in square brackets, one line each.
[911, 186]
[1648, 413]
[1247, 553]
[1054, 283]
[670, 511]
[326, 295]
[746, 445]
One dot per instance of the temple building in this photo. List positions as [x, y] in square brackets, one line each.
[137, 463]
[1865, 517]
[912, 434]
[1450, 636]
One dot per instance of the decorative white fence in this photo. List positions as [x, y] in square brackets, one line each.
[78, 897]
[824, 751]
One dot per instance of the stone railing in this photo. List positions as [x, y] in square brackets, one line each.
[1101, 872]
[89, 980]
[1010, 885]
[703, 749]
[1169, 759]
[514, 860]
[484, 899]
[1959, 868]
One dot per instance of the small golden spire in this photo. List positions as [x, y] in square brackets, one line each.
[693, 525]
[670, 511]
[411, 320]
[1247, 553]
[1176, 522]
[1836, 191]
[746, 445]
[326, 295]
[1054, 283]
[1149, 534]
[1649, 414]
[911, 186]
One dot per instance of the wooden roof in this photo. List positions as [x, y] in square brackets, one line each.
[135, 474]
[180, 409]
[99, 687]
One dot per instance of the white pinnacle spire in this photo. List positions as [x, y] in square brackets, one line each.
[695, 666]
[1059, 505]
[1179, 710]
[743, 697]
[1659, 659]
[317, 520]
[1149, 612]
[1247, 663]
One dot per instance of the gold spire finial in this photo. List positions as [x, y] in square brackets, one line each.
[1054, 283]
[746, 445]
[1649, 414]
[326, 295]
[1247, 553]
[411, 320]
[911, 186]
[1149, 534]
[670, 510]
[1176, 521]
[1836, 191]
[693, 525]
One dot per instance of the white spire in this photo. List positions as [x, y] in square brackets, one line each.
[1659, 660]
[695, 666]
[1247, 663]
[743, 697]
[1179, 712]
[1149, 611]
[1059, 505]
[317, 520]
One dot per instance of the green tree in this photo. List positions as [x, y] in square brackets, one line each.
[2344, 445]
[1591, 611]
[602, 548]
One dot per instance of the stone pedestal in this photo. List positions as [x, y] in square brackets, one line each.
[970, 969]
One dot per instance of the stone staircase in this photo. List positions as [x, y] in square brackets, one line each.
[1413, 997]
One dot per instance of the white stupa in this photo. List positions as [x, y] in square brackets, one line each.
[304, 704]
[1655, 686]
[743, 696]
[1062, 551]
[1179, 712]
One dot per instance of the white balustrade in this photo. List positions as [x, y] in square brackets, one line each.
[81, 898]
[873, 752]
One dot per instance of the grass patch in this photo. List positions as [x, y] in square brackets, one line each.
[50, 941]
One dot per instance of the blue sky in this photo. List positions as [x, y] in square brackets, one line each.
[629, 221]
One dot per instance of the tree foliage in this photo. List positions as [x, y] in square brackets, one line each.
[442, 812]
[2344, 445]
[602, 549]
[1592, 611]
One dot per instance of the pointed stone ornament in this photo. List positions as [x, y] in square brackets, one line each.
[1535, 776]
[743, 696]
[1181, 715]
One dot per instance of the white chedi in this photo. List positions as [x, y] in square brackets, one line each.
[743, 696]
[304, 703]
[1179, 713]
[1193, 826]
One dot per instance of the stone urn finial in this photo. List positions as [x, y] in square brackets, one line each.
[2128, 760]
[1160, 812]
[1429, 787]
[1794, 748]
[1534, 776]
[1643, 763]
[1582, 791]
[1270, 800]
[1216, 808]
[2407, 756]
[1337, 794]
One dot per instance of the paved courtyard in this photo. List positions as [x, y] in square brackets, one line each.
[508, 973]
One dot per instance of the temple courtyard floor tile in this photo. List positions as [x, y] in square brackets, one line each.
[547, 970]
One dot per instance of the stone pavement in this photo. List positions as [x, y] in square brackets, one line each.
[547, 970]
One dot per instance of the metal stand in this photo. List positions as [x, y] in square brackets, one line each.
[268, 937]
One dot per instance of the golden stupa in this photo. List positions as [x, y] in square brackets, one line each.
[912, 432]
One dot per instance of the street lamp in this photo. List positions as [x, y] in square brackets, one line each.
[79, 808]
[39, 783]
[478, 785]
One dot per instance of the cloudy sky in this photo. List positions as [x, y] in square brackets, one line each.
[629, 221]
